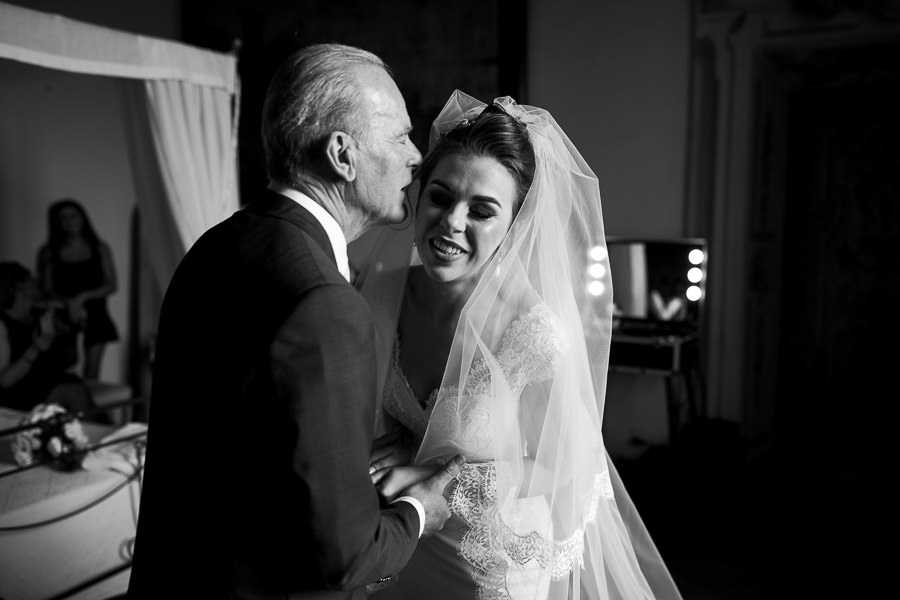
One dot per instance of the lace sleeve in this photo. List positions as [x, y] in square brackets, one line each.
[533, 348]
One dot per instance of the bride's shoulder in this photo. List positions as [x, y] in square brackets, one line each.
[535, 342]
[538, 318]
[537, 326]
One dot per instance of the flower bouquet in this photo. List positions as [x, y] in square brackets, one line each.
[57, 438]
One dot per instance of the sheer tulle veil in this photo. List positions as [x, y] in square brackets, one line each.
[548, 442]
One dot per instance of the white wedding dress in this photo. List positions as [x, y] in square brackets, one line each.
[476, 554]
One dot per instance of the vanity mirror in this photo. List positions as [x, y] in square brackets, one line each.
[659, 285]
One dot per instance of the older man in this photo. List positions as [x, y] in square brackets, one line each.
[261, 417]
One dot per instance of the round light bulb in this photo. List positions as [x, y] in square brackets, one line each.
[597, 253]
[596, 288]
[597, 270]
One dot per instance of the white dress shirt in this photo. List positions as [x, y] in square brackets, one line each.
[329, 224]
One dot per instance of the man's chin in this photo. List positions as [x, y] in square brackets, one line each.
[401, 215]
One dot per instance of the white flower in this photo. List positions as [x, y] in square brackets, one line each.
[57, 436]
[73, 431]
[22, 448]
[34, 438]
[55, 446]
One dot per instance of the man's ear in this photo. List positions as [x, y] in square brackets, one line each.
[341, 155]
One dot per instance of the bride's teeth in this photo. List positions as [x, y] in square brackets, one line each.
[446, 248]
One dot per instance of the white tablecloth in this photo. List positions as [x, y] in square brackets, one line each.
[59, 530]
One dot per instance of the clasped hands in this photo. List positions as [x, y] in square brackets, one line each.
[49, 327]
[77, 313]
[394, 476]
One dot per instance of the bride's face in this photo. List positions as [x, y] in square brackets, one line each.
[464, 211]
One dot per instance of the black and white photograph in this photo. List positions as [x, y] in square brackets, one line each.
[429, 300]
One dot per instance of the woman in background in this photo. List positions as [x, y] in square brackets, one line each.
[76, 266]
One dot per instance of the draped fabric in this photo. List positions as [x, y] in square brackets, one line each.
[189, 94]
[195, 139]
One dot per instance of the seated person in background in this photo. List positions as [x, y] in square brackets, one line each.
[36, 347]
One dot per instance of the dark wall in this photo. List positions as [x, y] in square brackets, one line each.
[432, 48]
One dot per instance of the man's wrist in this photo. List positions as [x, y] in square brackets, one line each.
[419, 509]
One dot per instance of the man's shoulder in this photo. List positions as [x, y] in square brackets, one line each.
[271, 246]
[269, 238]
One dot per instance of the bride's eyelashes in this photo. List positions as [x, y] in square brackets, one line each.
[439, 198]
[479, 210]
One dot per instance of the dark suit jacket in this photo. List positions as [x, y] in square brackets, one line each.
[261, 423]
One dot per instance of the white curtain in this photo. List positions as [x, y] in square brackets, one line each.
[194, 137]
[185, 132]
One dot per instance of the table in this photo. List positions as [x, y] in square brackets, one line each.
[61, 533]
[674, 357]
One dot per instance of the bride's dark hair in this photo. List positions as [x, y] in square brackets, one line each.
[493, 134]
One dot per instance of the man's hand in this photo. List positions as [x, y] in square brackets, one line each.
[430, 492]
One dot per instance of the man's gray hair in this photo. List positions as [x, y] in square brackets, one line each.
[313, 93]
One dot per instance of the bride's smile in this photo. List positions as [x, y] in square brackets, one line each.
[446, 249]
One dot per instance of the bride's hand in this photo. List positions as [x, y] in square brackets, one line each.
[389, 450]
[394, 480]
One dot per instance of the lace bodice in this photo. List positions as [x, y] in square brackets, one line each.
[529, 352]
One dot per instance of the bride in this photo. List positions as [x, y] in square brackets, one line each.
[498, 337]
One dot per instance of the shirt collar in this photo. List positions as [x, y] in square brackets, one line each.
[329, 224]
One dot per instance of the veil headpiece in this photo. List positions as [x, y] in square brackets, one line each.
[525, 383]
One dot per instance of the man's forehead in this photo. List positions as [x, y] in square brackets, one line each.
[389, 112]
[379, 94]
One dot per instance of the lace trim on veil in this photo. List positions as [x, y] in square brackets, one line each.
[490, 546]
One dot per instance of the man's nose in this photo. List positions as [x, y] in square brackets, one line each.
[415, 157]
